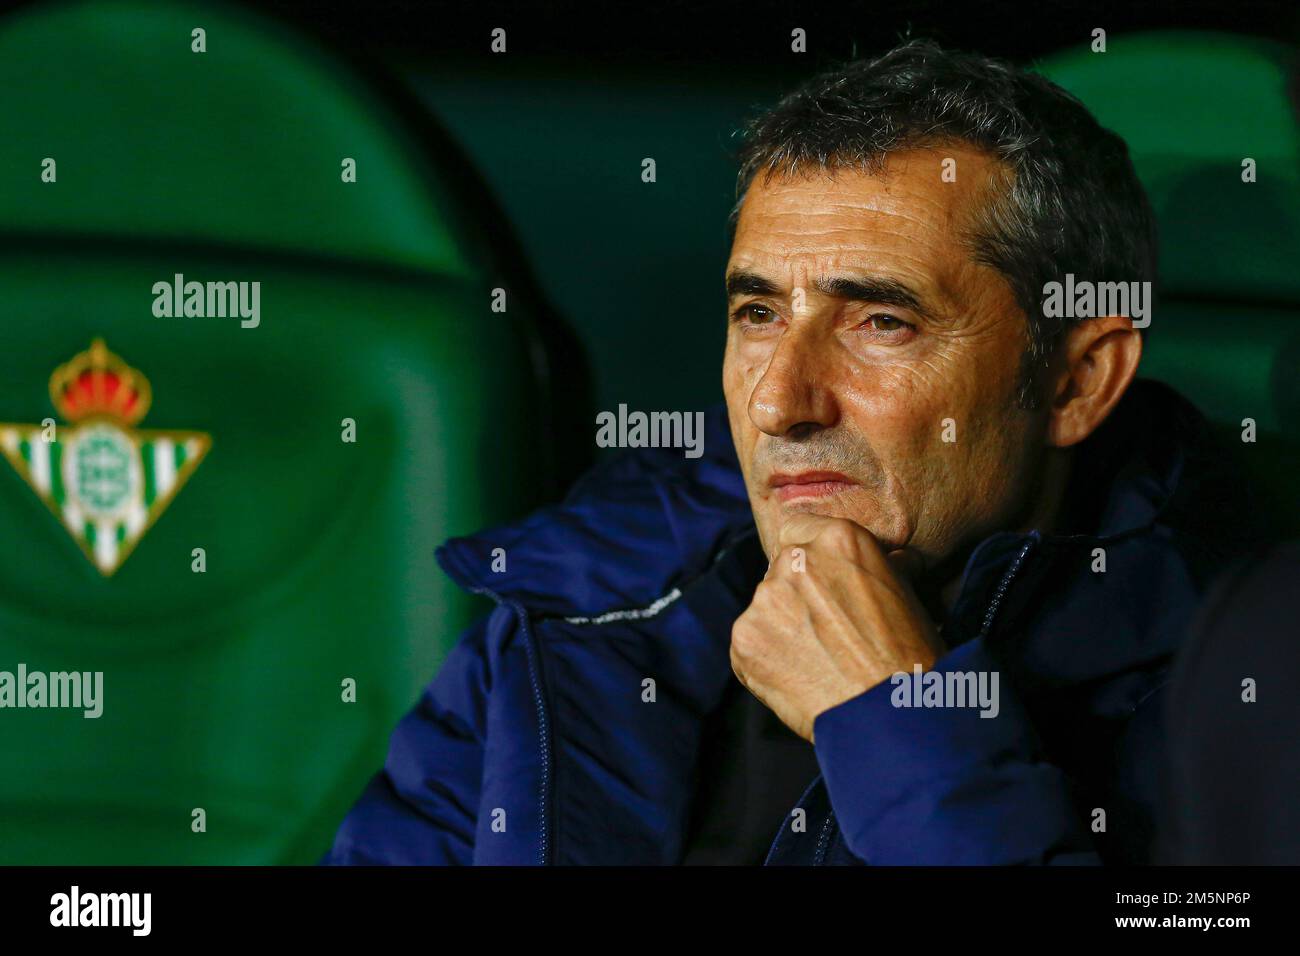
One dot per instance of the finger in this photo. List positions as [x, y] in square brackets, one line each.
[800, 528]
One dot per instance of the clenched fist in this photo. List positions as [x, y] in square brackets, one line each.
[833, 617]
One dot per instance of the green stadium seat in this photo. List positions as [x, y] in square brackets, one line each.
[223, 690]
[1226, 329]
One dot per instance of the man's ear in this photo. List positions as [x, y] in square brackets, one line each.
[1097, 361]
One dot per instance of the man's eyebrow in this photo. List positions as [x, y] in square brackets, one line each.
[872, 289]
[740, 282]
[879, 289]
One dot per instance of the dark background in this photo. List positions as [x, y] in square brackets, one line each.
[749, 35]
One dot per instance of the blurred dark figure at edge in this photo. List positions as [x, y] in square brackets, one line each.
[1233, 783]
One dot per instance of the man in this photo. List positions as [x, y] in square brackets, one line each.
[916, 602]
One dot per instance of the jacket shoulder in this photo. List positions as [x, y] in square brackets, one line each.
[631, 530]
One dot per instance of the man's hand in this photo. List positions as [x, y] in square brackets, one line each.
[833, 617]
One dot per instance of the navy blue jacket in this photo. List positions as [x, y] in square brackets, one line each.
[535, 743]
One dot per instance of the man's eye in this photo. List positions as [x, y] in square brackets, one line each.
[886, 323]
[754, 314]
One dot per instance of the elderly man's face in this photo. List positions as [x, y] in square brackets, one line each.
[862, 335]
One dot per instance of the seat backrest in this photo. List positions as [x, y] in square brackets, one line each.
[1193, 108]
[378, 406]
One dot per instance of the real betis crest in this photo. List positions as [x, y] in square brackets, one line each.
[105, 480]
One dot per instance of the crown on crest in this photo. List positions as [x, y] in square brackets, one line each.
[98, 384]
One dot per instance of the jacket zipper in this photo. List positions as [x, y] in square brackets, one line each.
[1004, 585]
[543, 723]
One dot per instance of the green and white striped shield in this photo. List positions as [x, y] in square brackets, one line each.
[106, 483]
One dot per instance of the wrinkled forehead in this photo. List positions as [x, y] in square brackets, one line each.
[912, 214]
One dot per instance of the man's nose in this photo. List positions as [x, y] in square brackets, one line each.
[794, 392]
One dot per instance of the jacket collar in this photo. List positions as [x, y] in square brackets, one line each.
[1125, 477]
